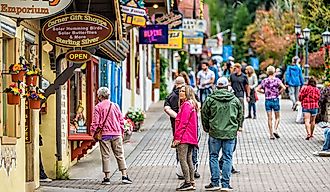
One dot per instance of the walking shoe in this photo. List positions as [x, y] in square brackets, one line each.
[234, 171]
[211, 187]
[248, 117]
[276, 135]
[272, 138]
[180, 177]
[46, 180]
[324, 154]
[226, 189]
[185, 187]
[255, 117]
[126, 180]
[197, 175]
[308, 137]
[106, 181]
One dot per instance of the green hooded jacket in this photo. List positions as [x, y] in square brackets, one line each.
[221, 114]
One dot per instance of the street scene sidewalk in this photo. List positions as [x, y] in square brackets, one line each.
[285, 164]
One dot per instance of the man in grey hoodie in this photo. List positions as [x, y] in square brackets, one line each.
[294, 80]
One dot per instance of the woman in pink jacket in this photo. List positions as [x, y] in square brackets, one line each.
[108, 116]
[185, 136]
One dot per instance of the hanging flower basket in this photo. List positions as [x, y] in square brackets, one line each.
[15, 77]
[34, 103]
[31, 80]
[13, 99]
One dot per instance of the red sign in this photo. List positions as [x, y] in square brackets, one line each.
[78, 56]
[77, 30]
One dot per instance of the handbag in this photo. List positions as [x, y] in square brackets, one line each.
[98, 132]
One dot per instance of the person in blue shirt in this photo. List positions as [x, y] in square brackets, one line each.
[213, 67]
[294, 80]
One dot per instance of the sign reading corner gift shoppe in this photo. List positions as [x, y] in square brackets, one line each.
[32, 9]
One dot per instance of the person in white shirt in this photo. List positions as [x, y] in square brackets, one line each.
[205, 80]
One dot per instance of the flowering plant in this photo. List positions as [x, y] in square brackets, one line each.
[16, 68]
[128, 126]
[33, 71]
[135, 115]
[13, 89]
[36, 95]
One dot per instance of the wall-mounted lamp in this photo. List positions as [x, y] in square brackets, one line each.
[155, 6]
[47, 47]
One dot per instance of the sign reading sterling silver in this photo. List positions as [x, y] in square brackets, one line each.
[32, 9]
[173, 19]
[77, 30]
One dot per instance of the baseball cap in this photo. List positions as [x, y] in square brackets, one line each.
[230, 58]
[222, 82]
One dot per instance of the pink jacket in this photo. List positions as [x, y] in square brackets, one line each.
[186, 124]
[114, 125]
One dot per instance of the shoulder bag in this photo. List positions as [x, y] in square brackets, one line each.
[98, 133]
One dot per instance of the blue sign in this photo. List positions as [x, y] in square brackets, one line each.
[227, 52]
[153, 34]
[254, 63]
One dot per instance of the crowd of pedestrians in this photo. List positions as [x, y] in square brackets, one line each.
[220, 98]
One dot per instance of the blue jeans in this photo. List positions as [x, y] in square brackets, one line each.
[203, 93]
[252, 106]
[227, 146]
[326, 145]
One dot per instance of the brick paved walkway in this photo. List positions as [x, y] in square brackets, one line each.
[286, 164]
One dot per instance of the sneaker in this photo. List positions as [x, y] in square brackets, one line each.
[316, 153]
[197, 175]
[234, 171]
[211, 187]
[126, 180]
[276, 135]
[185, 187]
[226, 189]
[248, 117]
[255, 117]
[106, 181]
[46, 180]
[180, 177]
[324, 154]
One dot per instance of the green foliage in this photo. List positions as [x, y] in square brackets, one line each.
[163, 84]
[62, 173]
[183, 61]
[136, 115]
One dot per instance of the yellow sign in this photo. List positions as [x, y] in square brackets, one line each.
[195, 41]
[174, 40]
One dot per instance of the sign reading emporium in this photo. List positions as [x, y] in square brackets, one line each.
[77, 30]
[32, 9]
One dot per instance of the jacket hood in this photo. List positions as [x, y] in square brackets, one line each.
[222, 95]
[294, 67]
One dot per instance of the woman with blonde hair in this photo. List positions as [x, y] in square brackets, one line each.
[253, 83]
[272, 87]
[185, 136]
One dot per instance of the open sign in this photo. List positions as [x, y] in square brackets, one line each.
[78, 56]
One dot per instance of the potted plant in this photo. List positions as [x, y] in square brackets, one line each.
[128, 129]
[137, 116]
[35, 97]
[32, 75]
[13, 94]
[17, 72]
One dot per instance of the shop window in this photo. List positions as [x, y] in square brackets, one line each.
[78, 104]
[9, 114]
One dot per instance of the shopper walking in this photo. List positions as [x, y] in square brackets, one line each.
[205, 80]
[309, 97]
[222, 113]
[107, 115]
[272, 87]
[253, 84]
[185, 136]
[239, 83]
[294, 80]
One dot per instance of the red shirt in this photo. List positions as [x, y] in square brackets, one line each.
[309, 97]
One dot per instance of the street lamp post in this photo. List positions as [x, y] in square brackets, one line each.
[326, 42]
[306, 34]
[297, 30]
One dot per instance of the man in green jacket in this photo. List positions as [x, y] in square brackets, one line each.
[221, 114]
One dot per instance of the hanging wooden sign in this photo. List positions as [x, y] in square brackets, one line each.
[77, 30]
[32, 9]
[78, 56]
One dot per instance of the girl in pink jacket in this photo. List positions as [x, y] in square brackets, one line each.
[185, 136]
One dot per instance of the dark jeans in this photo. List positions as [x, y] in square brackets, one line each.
[221, 159]
[41, 168]
[252, 106]
[241, 99]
